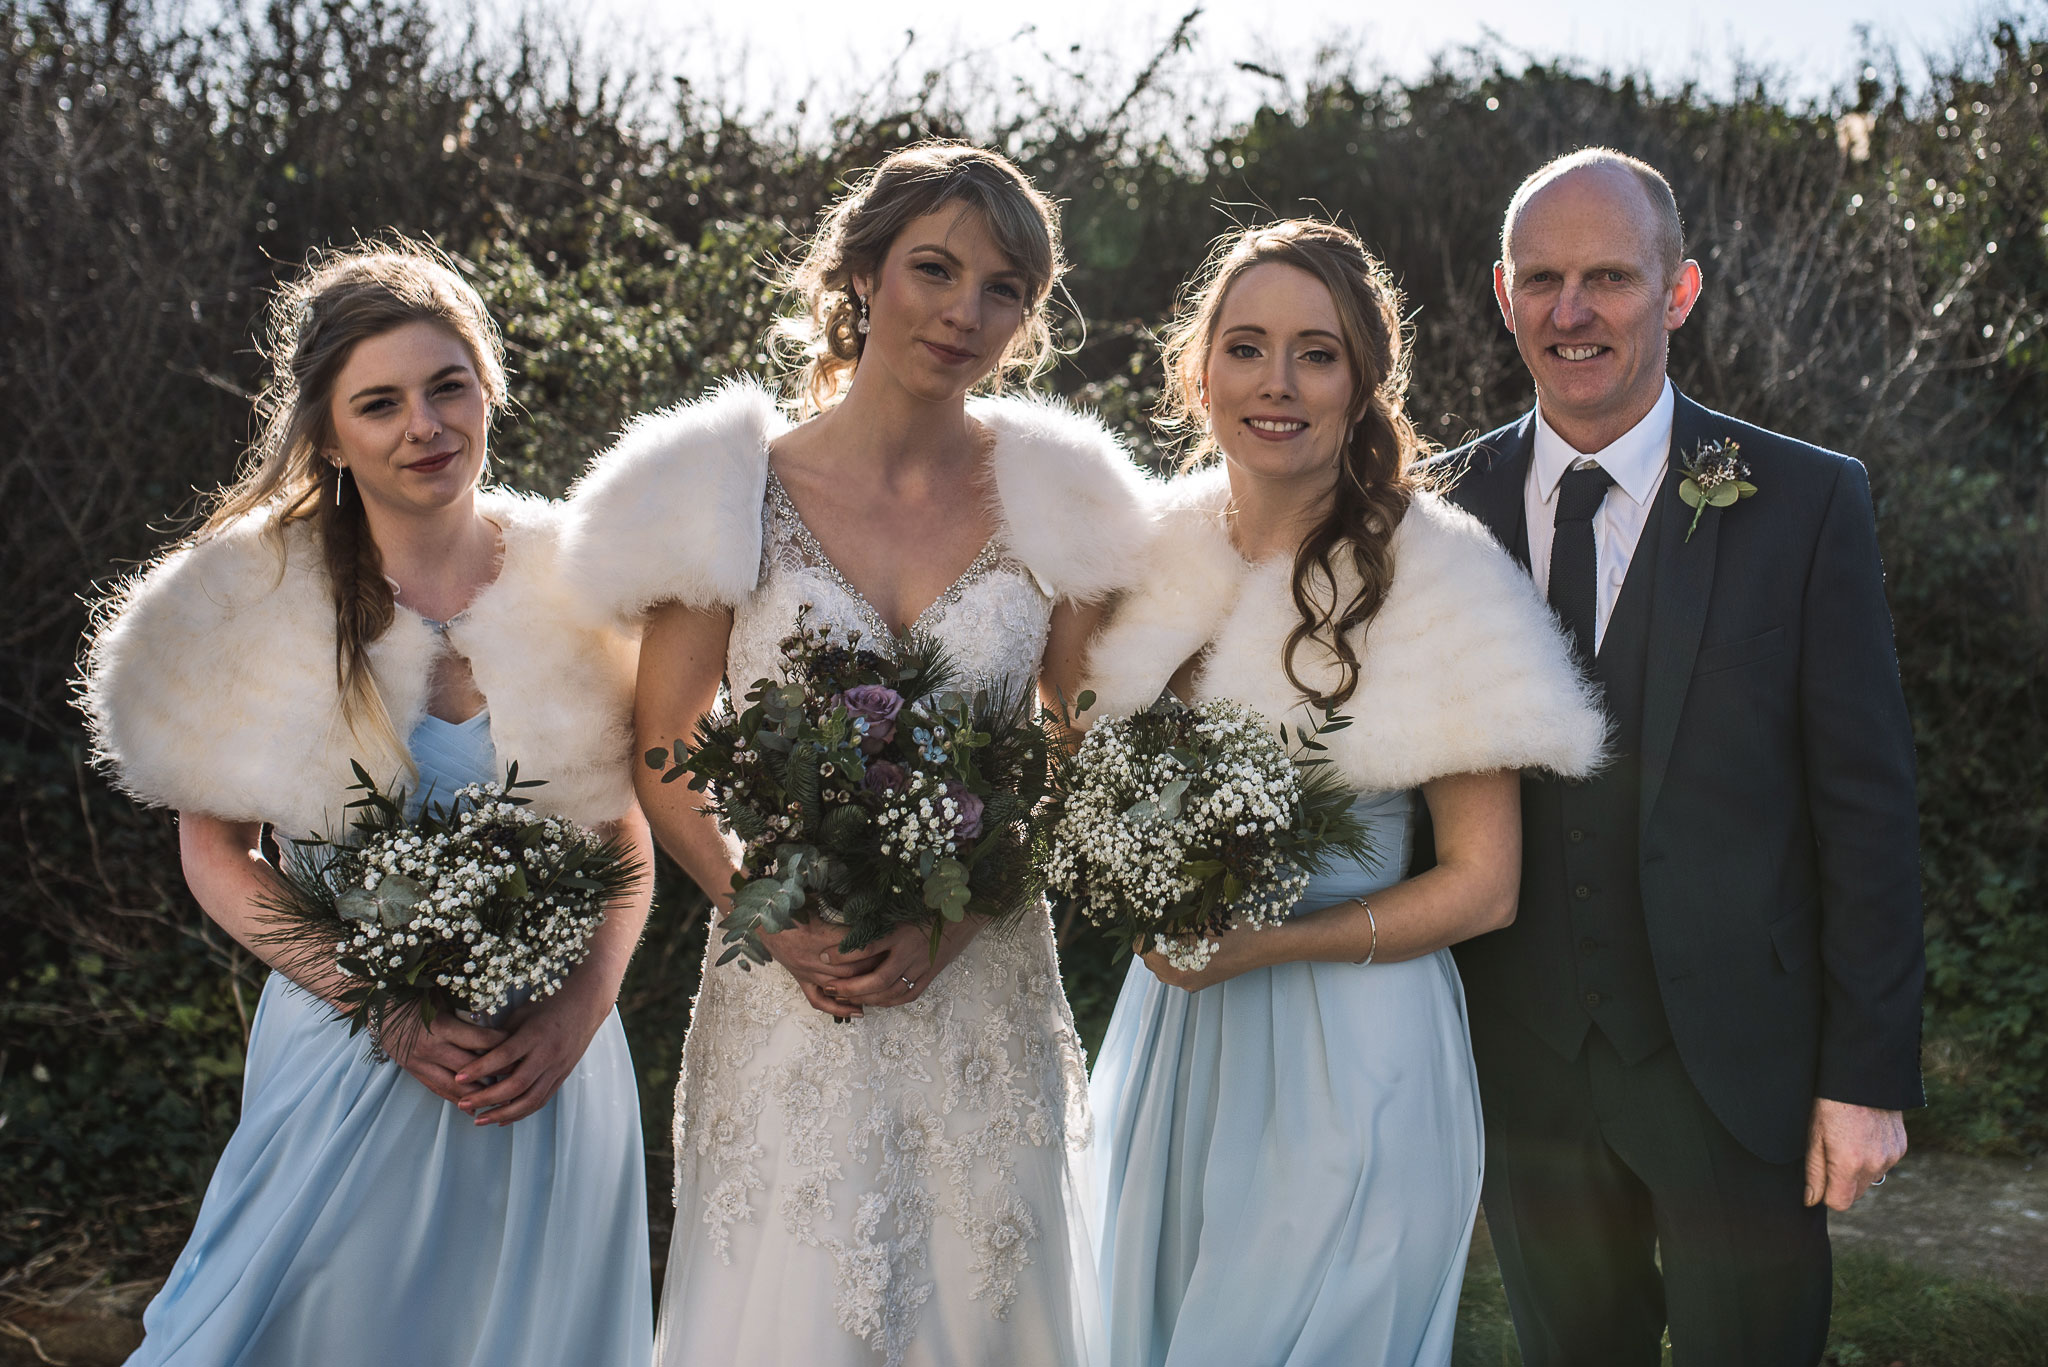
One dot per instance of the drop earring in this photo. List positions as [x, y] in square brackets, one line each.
[861, 324]
[339, 471]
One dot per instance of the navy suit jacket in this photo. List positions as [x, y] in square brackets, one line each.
[1779, 833]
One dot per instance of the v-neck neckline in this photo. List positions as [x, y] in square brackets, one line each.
[983, 561]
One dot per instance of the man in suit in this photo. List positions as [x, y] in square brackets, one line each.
[1701, 1030]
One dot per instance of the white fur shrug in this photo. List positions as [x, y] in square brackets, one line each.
[209, 679]
[1463, 669]
[672, 512]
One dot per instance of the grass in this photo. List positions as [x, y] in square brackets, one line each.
[1887, 1314]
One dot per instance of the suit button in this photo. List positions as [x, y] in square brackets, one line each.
[1582, 892]
[1589, 945]
[1592, 1001]
[1577, 836]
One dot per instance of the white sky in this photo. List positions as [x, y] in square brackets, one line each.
[765, 53]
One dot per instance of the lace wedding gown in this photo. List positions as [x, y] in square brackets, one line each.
[896, 1189]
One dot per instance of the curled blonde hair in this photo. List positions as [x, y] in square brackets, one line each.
[859, 229]
[342, 298]
[1375, 482]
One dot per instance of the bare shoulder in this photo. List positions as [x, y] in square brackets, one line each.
[799, 454]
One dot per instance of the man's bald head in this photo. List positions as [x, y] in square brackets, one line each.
[1659, 204]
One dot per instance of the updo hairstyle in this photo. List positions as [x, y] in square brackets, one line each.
[857, 234]
[1374, 481]
[342, 298]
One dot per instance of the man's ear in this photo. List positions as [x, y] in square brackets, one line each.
[1685, 292]
[1500, 294]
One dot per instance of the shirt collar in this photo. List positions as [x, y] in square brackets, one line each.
[1636, 459]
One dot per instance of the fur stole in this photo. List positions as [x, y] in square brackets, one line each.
[672, 512]
[1463, 669]
[209, 679]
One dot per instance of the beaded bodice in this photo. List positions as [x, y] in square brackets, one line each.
[992, 620]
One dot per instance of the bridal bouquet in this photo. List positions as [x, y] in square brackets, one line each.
[869, 790]
[1178, 822]
[467, 906]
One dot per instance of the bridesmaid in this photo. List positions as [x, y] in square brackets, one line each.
[481, 1198]
[1288, 1142]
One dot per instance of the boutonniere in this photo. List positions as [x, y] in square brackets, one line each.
[1713, 478]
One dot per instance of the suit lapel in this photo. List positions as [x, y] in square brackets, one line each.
[1493, 493]
[1678, 608]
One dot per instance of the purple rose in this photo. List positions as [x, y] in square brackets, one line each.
[967, 825]
[883, 776]
[877, 706]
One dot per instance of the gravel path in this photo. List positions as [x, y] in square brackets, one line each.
[1960, 1216]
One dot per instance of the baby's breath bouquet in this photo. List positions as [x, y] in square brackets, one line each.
[472, 905]
[869, 789]
[1178, 822]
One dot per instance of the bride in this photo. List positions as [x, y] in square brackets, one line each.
[873, 1151]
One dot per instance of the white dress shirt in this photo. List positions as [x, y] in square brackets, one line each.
[1637, 459]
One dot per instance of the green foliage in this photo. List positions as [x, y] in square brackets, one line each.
[1877, 282]
[640, 321]
[1886, 1314]
[122, 1018]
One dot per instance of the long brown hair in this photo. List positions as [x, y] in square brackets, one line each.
[316, 320]
[856, 235]
[1374, 481]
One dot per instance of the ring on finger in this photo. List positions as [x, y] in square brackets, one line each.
[1880, 1179]
[909, 983]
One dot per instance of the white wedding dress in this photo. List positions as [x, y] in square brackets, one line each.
[900, 1188]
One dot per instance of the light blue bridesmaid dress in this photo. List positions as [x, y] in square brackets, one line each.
[1287, 1163]
[357, 1218]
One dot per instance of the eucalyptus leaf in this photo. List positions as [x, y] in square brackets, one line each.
[356, 905]
[397, 896]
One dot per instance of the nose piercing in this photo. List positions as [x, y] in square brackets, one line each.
[412, 437]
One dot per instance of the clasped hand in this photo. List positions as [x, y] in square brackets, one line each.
[892, 971]
[497, 1076]
[1238, 951]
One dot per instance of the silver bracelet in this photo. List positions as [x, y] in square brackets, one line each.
[1373, 922]
[375, 1030]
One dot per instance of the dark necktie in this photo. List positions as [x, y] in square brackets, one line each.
[1574, 583]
